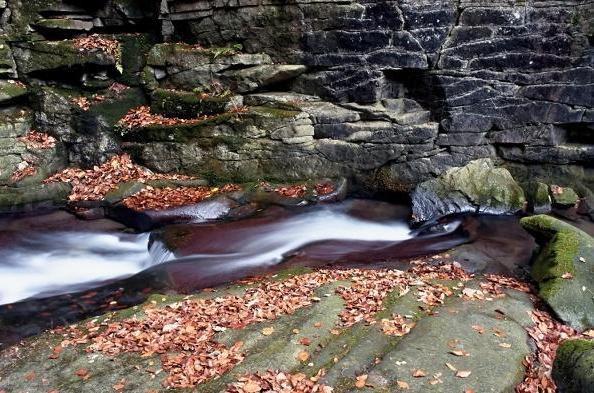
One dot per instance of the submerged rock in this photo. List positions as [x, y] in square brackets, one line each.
[564, 269]
[573, 370]
[477, 187]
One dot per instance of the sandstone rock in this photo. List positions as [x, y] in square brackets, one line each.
[563, 269]
[573, 370]
[478, 187]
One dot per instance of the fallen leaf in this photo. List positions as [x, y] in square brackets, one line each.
[305, 341]
[402, 385]
[480, 329]
[82, 373]
[361, 380]
[567, 276]
[118, 387]
[251, 387]
[451, 367]
[463, 373]
[419, 373]
[318, 324]
[267, 331]
[303, 356]
[505, 345]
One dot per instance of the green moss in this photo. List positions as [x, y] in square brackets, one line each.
[274, 112]
[113, 109]
[557, 258]
[573, 369]
[186, 105]
[134, 49]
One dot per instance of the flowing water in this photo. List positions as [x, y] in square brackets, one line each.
[56, 273]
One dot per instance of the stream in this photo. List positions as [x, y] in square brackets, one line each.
[55, 269]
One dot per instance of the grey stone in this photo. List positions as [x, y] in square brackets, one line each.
[476, 187]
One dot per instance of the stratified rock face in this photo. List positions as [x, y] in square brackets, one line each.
[573, 369]
[564, 269]
[477, 187]
[386, 93]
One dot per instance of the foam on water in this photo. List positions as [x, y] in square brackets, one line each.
[59, 262]
[63, 262]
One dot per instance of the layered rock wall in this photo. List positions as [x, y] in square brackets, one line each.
[388, 93]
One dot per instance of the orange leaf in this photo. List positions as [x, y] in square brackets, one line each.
[361, 380]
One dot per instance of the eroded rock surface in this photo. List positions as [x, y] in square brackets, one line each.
[386, 93]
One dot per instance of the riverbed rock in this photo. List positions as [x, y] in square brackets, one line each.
[478, 187]
[494, 363]
[564, 269]
[573, 370]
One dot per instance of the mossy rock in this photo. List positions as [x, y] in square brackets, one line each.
[564, 269]
[573, 369]
[564, 196]
[134, 49]
[11, 91]
[537, 194]
[34, 197]
[111, 110]
[185, 104]
[43, 56]
[478, 187]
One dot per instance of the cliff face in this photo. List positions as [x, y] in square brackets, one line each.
[388, 93]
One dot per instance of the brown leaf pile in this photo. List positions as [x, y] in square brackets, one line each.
[24, 170]
[94, 184]
[547, 335]
[365, 296]
[294, 191]
[38, 140]
[397, 326]
[96, 42]
[164, 198]
[278, 382]
[142, 117]
[324, 188]
[183, 333]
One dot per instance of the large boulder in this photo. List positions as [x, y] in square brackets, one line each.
[564, 269]
[573, 370]
[478, 187]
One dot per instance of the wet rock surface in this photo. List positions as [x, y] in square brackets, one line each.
[476, 187]
[345, 352]
[563, 269]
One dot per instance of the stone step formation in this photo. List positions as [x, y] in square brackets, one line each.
[385, 93]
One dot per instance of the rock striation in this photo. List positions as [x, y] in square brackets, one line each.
[386, 93]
